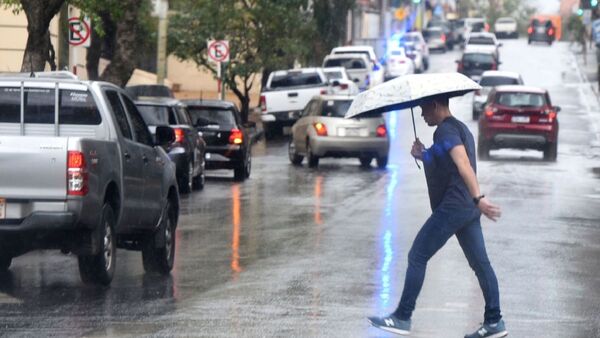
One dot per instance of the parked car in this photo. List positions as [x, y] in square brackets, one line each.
[376, 75]
[285, 95]
[357, 66]
[448, 28]
[436, 39]
[340, 81]
[484, 41]
[467, 26]
[490, 79]
[322, 131]
[474, 62]
[519, 117]
[397, 63]
[414, 54]
[187, 152]
[506, 27]
[154, 90]
[81, 173]
[228, 143]
[543, 31]
[420, 44]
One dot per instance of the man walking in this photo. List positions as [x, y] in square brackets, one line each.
[457, 204]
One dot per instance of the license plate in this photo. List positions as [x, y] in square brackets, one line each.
[541, 30]
[520, 119]
[2, 208]
[352, 132]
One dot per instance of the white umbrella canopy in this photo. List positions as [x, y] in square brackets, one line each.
[409, 91]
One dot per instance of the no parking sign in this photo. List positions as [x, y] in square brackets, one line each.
[79, 31]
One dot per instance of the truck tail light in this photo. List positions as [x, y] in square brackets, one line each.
[263, 103]
[320, 129]
[77, 177]
[494, 66]
[323, 91]
[551, 115]
[381, 131]
[236, 136]
[530, 30]
[179, 134]
[343, 86]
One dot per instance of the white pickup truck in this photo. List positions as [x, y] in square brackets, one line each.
[80, 172]
[286, 94]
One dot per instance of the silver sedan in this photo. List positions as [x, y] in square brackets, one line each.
[322, 131]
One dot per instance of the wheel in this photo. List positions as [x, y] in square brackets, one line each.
[198, 182]
[475, 114]
[313, 160]
[483, 149]
[293, 155]
[550, 152]
[382, 162]
[365, 161]
[100, 268]
[5, 262]
[248, 164]
[239, 173]
[426, 64]
[186, 181]
[529, 41]
[158, 250]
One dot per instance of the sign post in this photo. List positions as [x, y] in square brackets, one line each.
[218, 52]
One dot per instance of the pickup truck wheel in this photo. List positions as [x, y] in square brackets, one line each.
[313, 160]
[161, 259]
[293, 155]
[483, 149]
[5, 262]
[186, 180]
[365, 161]
[239, 173]
[100, 268]
[550, 152]
[382, 162]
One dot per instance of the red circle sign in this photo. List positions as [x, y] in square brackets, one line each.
[218, 51]
[81, 34]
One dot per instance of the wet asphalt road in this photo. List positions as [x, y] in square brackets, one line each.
[311, 252]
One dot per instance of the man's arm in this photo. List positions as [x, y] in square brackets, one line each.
[460, 158]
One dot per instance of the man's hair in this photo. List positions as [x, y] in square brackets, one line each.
[442, 100]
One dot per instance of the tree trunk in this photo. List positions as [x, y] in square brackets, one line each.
[124, 60]
[37, 51]
[94, 51]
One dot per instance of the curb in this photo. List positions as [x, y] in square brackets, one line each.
[583, 77]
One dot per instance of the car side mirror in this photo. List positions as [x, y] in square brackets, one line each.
[557, 108]
[164, 135]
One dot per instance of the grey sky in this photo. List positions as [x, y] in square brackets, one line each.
[546, 6]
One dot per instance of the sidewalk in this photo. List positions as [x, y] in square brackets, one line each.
[588, 69]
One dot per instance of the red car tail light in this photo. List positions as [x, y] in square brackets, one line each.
[320, 129]
[551, 32]
[263, 103]
[443, 37]
[381, 131]
[236, 136]
[179, 135]
[489, 111]
[77, 178]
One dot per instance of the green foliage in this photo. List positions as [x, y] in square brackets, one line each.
[329, 26]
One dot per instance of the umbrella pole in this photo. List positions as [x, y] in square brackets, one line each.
[412, 114]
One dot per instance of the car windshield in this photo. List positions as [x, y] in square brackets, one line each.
[480, 40]
[295, 79]
[349, 63]
[76, 107]
[366, 53]
[520, 99]
[478, 58]
[507, 20]
[157, 115]
[432, 34]
[491, 81]
[335, 108]
[334, 75]
[203, 116]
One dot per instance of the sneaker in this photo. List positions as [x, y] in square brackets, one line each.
[490, 331]
[391, 324]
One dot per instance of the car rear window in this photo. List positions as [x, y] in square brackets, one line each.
[335, 108]
[334, 75]
[76, 106]
[203, 116]
[522, 100]
[396, 52]
[157, 115]
[491, 81]
[478, 58]
[295, 79]
[428, 34]
[349, 63]
[480, 40]
[366, 53]
[506, 20]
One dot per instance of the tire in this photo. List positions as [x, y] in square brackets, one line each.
[198, 182]
[426, 64]
[365, 161]
[239, 173]
[551, 152]
[475, 114]
[382, 162]
[529, 41]
[313, 160]
[483, 149]
[248, 165]
[156, 257]
[295, 159]
[5, 262]
[186, 181]
[100, 268]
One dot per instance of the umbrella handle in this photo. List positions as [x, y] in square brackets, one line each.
[412, 114]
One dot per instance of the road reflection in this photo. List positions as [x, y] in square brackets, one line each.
[318, 192]
[235, 240]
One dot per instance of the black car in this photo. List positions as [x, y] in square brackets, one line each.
[187, 152]
[227, 139]
[474, 63]
[540, 30]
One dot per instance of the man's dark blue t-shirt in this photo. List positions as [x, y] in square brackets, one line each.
[446, 186]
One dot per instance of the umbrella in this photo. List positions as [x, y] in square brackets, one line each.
[407, 92]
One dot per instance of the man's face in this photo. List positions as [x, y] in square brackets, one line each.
[428, 110]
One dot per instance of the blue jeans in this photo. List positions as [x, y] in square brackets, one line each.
[443, 223]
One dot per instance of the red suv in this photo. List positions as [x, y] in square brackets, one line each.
[519, 117]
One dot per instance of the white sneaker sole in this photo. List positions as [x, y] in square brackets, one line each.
[391, 329]
[499, 334]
